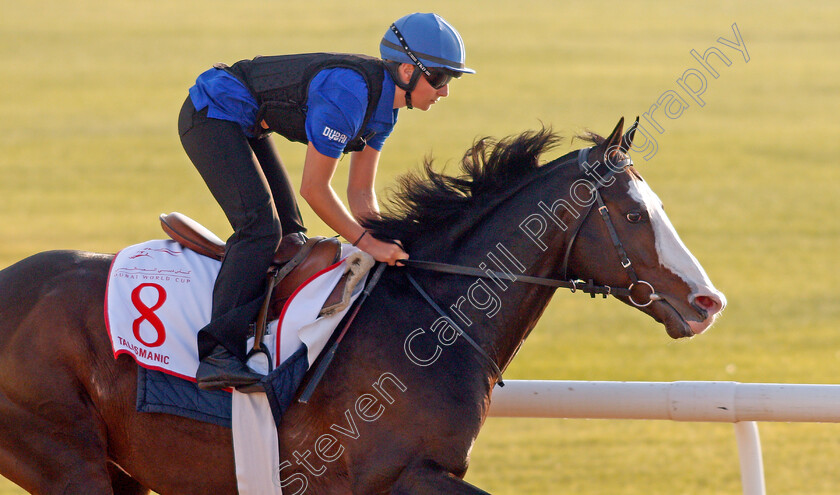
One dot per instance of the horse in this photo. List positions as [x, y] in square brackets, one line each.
[401, 404]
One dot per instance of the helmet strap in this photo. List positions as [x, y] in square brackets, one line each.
[393, 69]
[412, 83]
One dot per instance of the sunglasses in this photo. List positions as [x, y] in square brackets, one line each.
[438, 78]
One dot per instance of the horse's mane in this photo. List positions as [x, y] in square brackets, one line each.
[425, 200]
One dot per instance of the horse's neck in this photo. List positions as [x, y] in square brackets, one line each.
[498, 312]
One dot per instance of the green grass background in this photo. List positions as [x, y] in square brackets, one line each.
[89, 156]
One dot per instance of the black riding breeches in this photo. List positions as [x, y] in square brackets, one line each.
[251, 185]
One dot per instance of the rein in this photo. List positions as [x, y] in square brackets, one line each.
[574, 285]
[458, 329]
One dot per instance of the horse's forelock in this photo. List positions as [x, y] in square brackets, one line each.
[590, 137]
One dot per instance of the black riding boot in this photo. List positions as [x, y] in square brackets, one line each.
[221, 369]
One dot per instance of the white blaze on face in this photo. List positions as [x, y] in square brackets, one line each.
[673, 254]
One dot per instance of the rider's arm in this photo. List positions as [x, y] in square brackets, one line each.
[361, 195]
[315, 189]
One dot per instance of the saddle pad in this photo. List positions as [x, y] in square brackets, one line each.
[159, 392]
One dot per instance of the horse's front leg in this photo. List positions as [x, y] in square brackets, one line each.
[423, 477]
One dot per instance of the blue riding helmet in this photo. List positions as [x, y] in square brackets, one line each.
[427, 39]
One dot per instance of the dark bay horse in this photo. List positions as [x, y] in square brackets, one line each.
[401, 404]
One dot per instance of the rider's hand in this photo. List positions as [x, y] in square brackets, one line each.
[386, 252]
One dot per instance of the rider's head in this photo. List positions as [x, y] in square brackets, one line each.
[430, 45]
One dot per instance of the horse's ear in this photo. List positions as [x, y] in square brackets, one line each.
[613, 142]
[627, 140]
[616, 134]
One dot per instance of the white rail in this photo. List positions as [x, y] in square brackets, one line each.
[729, 402]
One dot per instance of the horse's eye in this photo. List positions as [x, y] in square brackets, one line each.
[634, 217]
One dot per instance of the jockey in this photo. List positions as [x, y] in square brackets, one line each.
[334, 103]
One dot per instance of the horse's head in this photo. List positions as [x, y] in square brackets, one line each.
[626, 240]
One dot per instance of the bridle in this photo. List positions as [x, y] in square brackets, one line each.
[582, 161]
[588, 287]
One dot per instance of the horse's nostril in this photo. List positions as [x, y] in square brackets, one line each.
[708, 304]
